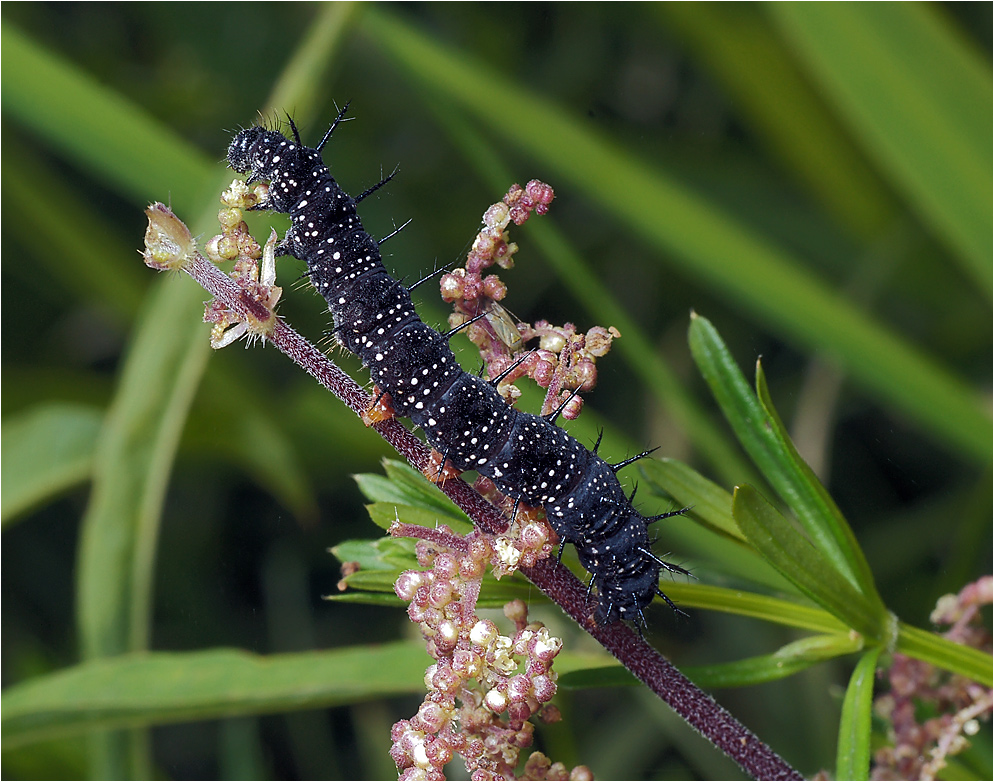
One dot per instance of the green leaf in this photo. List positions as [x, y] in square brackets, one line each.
[404, 485]
[384, 514]
[379, 554]
[769, 609]
[714, 539]
[918, 98]
[762, 435]
[157, 688]
[402, 474]
[706, 243]
[46, 450]
[805, 565]
[932, 648]
[784, 662]
[710, 505]
[373, 580]
[853, 755]
[800, 488]
[131, 470]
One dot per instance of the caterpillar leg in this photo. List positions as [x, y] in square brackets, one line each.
[380, 409]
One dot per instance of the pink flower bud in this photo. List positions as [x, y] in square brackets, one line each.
[495, 701]
[518, 688]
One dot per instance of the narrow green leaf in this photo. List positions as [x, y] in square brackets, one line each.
[918, 99]
[750, 422]
[373, 581]
[946, 654]
[853, 752]
[46, 450]
[784, 662]
[299, 85]
[131, 470]
[762, 435]
[809, 499]
[712, 546]
[379, 554]
[769, 609]
[707, 244]
[403, 474]
[710, 504]
[403, 485]
[384, 514]
[603, 676]
[798, 560]
[157, 688]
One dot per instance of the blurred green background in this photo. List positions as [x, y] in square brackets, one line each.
[816, 181]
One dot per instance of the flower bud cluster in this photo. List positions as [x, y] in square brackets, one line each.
[955, 704]
[235, 243]
[498, 336]
[484, 686]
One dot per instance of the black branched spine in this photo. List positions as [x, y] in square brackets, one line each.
[527, 457]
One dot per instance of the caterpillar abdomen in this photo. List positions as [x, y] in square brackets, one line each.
[526, 456]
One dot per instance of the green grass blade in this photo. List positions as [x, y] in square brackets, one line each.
[84, 254]
[853, 752]
[728, 556]
[387, 554]
[46, 450]
[403, 485]
[742, 49]
[119, 534]
[133, 461]
[299, 89]
[918, 99]
[157, 688]
[384, 514]
[707, 244]
[76, 114]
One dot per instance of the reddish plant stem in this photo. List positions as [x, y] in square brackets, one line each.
[698, 708]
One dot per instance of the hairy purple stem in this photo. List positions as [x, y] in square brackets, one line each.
[698, 708]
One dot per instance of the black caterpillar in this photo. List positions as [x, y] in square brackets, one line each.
[528, 457]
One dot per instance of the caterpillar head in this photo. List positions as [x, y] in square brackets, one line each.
[261, 153]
